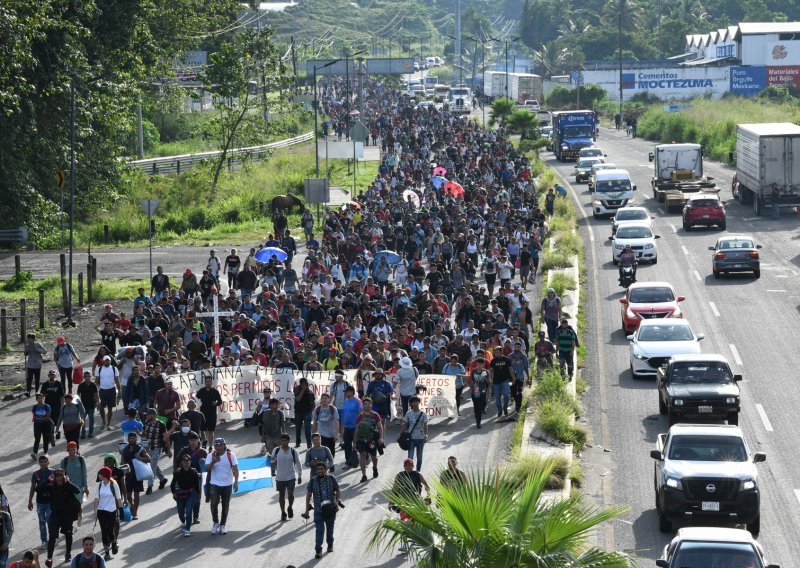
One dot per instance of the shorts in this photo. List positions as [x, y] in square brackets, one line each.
[132, 484]
[210, 423]
[108, 397]
[282, 486]
[364, 448]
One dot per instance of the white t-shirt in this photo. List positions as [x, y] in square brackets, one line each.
[107, 376]
[222, 472]
[107, 493]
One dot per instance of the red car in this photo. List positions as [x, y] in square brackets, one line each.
[648, 300]
[704, 209]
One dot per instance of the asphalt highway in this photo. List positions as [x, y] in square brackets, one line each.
[752, 322]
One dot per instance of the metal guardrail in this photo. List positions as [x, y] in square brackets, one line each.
[180, 164]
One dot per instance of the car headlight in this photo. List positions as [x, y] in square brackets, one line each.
[747, 485]
[564, 147]
[678, 402]
[649, 246]
[731, 400]
[639, 356]
[619, 247]
[674, 483]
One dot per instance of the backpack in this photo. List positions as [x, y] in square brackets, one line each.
[330, 409]
[378, 396]
[83, 562]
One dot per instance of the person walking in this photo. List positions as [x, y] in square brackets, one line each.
[74, 465]
[6, 532]
[285, 462]
[117, 474]
[42, 425]
[318, 453]
[110, 389]
[133, 485]
[350, 411]
[89, 396]
[369, 435]
[519, 372]
[107, 503]
[567, 341]
[500, 377]
[54, 397]
[30, 559]
[303, 407]
[88, 557]
[551, 313]
[405, 382]
[210, 400]
[34, 355]
[479, 383]
[185, 489]
[415, 423]
[71, 419]
[154, 431]
[39, 478]
[326, 423]
[222, 477]
[64, 511]
[63, 355]
[272, 425]
[453, 367]
[323, 490]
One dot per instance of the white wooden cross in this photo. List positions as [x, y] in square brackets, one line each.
[215, 314]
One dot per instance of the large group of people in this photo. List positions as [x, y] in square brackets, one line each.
[426, 271]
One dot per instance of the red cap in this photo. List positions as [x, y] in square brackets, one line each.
[408, 461]
[60, 340]
[72, 445]
[105, 472]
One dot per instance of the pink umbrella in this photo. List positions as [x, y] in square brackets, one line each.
[454, 189]
[440, 171]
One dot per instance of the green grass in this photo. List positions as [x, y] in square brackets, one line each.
[569, 243]
[519, 428]
[576, 474]
[104, 290]
[521, 467]
[553, 417]
[555, 260]
[5, 389]
[712, 123]
[561, 282]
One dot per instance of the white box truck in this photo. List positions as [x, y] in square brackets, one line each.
[767, 165]
[521, 86]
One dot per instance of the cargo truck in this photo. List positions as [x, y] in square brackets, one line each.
[521, 86]
[573, 130]
[679, 174]
[767, 172]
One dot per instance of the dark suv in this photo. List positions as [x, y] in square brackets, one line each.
[698, 386]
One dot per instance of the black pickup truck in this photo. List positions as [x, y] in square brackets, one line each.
[698, 386]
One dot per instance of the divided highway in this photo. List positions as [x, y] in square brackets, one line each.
[752, 322]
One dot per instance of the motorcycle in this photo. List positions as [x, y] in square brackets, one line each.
[627, 276]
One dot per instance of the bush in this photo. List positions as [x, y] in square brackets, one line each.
[561, 282]
[523, 465]
[554, 259]
[527, 146]
[554, 417]
[568, 243]
[198, 219]
[18, 281]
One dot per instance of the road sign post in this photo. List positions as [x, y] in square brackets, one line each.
[149, 206]
[358, 133]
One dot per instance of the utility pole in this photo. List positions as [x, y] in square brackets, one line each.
[294, 65]
[620, 68]
[140, 129]
[457, 46]
[71, 192]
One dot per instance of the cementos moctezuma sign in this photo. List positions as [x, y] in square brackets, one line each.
[663, 80]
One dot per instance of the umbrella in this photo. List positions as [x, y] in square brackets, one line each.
[440, 171]
[438, 181]
[355, 204]
[409, 194]
[266, 254]
[454, 189]
[391, 256]
[354, 113]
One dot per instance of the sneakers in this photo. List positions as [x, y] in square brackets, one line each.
[67, 558]
[263, 450]
[196, 522]
[215, 528]
[223, 530]
[333, 468]
[115, 547]
[374, 472]
[49, 562]
[107, 555]
[283, 517]
[162, 483]
[44, 545]
[505, 412]
[149, 491]
[186, 533]
[317, 555]
[499, 413]
[290, 511]
[33, 456]
[330, 548]
[363, 478]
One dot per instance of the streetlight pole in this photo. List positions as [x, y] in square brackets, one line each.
[71, 192]
[316, 105]
[620, 70]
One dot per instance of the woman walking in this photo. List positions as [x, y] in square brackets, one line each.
[42, 426]
[185, 488]
[479, 383]
[107, 502]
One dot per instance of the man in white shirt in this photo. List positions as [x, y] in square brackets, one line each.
[108, 376]
[222, 472]
[286, 468]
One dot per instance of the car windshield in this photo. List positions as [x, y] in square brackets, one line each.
[707, 448]
[711, 372]
[716, 554]
[634, 233]
[652, 295]
[703, 202]
[665, 333]
[613, 186]
[631, 215]
[736, 244]
[580, 131]
[591, 153]
[586, 163]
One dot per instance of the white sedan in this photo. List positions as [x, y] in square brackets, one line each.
[641, 238]
[657, 340]
[638, 215]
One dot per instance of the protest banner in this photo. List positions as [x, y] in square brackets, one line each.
[438, 396]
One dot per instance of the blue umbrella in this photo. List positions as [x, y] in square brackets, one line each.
[266, 254]
[391, 256]
[438, 181]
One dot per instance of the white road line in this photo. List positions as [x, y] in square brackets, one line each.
[776, 290]
[735, 354]
[764, 419]
[685, 250]
[797, 494]
[591, 236]
[697, 275]
[673, 227]
[714, 308]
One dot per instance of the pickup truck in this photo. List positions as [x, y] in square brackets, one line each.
[712, 546]
[698, 386]
[706, 472]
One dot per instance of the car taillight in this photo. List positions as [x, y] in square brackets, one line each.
[753, 254]
[719, 255]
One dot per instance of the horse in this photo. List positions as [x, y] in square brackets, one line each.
[285, 203]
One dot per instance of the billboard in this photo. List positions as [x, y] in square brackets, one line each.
[748, 81]
[392, 65]
[784, 76]
[668, 83]
[337, 68]
[783, 53]
[341, 150]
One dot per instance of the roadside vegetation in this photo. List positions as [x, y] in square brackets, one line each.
[25, 286]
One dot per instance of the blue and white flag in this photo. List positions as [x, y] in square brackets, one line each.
[254, 474]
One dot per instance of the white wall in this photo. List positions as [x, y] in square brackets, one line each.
[665, 83]
[755, 50]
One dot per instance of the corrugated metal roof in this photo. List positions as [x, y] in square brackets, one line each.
[701, 62]
[755, 28]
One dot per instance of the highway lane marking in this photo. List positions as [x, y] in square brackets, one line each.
[697, 275]
[714, 308]
[776, 290]
[797, 494]
[764, 419]
[735, 354]
[673, 227]
[685, 250]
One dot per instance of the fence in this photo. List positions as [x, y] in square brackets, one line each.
[180, 164]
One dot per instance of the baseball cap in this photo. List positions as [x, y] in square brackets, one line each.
[219, 441]
[72, 445]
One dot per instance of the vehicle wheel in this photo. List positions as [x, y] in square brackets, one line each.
[664, 524]
[655, 260]
[662, 407]
[634, 375]
[716, 274]
[755, 526]
[686, 226]
[758, 205]
[733, 418]
[614, 261]
[671, 419]
[623, 326]
[757, 273]
[723, 226]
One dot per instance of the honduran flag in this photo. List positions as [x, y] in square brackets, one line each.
[254, 474]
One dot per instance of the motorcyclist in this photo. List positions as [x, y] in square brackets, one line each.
[627, 258]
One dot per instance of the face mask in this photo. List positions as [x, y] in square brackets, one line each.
[185, 429]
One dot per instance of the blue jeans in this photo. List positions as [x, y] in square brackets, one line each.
[154, 455]
[90, 421]
[501, 390]
[418, 445]
[552, 328]
[324, 529]
[3, 558]
[43, 511]
[186, 510]
[302, 422]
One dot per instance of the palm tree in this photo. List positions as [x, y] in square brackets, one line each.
[496, 520]
[501, 110]
[524, 123]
